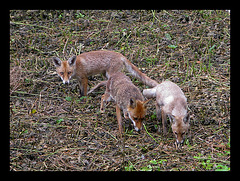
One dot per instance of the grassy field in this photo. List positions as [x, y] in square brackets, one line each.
[52, 129]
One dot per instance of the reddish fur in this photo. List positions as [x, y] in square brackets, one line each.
[138, 113]
[119, 119]
[127, 98]
[96, 62]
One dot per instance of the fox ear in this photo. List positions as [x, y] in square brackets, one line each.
[72, 60]
[132, 103]
[57, 62]
[186, 119]
[145, 102]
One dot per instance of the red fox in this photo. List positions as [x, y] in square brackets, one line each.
[96, 62]
[171, 102]
[127, 97]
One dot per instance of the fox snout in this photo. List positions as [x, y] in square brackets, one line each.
[137, 112]
[180, 141]
[180, 137]
[137, 126]
[65, 81]
[180, 126]
[137, 123]
[64, 78]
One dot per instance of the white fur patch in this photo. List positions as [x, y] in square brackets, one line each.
[107, 75]
[109, 98]
[134, 124]
[168, 100]
[149, 93]
[64, 82]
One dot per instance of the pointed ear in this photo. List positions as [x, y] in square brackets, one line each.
[72, 60]
[132, 103]
[186, 119]
[145, 102]
[57, 62]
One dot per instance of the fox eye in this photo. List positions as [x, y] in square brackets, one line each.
[175, 133]
[61, 73]
[183, 133]
[138, 119]
[69, 73]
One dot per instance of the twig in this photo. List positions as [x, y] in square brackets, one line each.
[65, 46]
[18, 23]
[150, 134]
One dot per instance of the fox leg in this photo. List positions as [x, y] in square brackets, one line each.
[159, 117]
[83, 83]
[84, 87]
[158, 112]
[164, 122]
[105, 98]
[80, 88]
[119, 119]
[103, 102]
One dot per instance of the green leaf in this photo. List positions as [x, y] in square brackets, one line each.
[153, 116]
[153, 162]
[33, 111]
[168, 36]
[83, 97]
[129, 168]
[26, 131]
[161, 161]
[210, 49]
[68, 99]
[222, 168]
[172, 46]
[59, 121]
[147, 168]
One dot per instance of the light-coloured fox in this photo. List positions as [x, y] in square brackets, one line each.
[171, 102]
[127, 97]
[96, 62]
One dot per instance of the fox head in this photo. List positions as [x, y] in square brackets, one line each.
[136, 112]
[65, 69]
[180, 127]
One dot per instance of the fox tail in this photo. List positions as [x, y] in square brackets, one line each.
[149, 93]
[138, 74]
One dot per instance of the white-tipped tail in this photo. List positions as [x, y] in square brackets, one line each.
[150, 93]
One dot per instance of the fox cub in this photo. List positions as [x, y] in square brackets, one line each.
[127, 97]
[171, 102]
[96, 62]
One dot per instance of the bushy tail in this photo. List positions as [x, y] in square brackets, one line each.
[149, 93]
[138, 74]
[102, 83]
